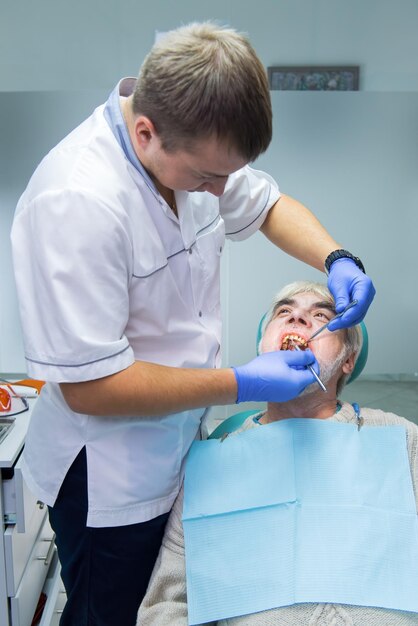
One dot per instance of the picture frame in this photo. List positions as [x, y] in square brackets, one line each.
[314, 78]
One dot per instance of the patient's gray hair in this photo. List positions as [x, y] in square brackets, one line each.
[353, 336]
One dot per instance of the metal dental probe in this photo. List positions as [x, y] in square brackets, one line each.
[349, 306]
[318, 380]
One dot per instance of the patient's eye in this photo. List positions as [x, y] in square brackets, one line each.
[322, 315]
[283, 310]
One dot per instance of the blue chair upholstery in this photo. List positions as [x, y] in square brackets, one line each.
[231, 423]
[362, 357]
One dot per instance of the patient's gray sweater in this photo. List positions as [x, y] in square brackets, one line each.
[165, 603]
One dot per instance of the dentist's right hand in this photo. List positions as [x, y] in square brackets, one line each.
[275, 376]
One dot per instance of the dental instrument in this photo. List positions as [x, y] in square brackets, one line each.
[349, 306]
[318, 380]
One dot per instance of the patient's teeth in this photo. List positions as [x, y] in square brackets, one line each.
[292, 338]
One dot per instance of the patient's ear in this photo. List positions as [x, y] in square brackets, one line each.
[348, 364]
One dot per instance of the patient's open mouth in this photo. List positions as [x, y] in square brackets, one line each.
[291, 339]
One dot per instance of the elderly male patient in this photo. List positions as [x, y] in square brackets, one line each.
[298, 310]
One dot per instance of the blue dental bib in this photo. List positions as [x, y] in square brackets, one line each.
[300, 510]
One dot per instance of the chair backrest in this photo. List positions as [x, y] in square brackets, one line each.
[231, 423]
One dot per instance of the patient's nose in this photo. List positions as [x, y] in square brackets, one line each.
[300, 317]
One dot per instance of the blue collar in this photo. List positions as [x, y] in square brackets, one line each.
[114, 118]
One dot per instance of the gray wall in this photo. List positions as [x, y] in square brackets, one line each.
[351, 157]
[88, 44]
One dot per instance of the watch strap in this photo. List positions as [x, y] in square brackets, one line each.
[342, 254]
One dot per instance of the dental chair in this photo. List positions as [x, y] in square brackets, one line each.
[235, 421]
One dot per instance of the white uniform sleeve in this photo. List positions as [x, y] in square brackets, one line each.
[72, 258]
[248, 197]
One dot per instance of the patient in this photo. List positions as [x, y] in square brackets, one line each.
[298, 310]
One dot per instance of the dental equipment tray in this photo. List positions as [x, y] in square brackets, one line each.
[6, 424]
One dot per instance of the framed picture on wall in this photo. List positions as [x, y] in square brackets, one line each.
[314, 78]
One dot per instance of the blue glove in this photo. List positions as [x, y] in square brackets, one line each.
[347, 282]
[275, 376]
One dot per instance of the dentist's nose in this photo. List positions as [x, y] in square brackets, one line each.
[217, 187]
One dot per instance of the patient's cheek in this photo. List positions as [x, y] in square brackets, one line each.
[269, 341]
[263, 346]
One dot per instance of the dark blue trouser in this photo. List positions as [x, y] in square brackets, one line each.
[105, 570]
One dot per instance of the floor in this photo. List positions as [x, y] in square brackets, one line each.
[398, 397]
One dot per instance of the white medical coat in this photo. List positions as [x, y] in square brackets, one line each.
[106, 275]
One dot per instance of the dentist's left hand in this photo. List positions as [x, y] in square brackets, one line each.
[347, 282]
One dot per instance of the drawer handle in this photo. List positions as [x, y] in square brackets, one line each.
[48, 557]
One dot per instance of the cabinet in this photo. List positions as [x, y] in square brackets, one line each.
[28, 556]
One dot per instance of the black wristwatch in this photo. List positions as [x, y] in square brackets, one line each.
[342, 254]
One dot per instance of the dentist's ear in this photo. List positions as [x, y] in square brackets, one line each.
[348, 364]
[144, 131]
